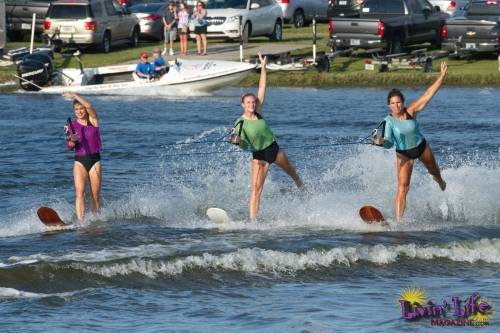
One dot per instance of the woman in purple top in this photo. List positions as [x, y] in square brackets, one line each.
[85, 139]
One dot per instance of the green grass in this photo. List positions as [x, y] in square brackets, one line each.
[346, 71]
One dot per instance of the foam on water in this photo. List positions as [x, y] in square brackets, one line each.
[12, 293]
[333, 194]
[153, 260]
[268, 261]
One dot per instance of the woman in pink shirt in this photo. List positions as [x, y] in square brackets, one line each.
[85, 139]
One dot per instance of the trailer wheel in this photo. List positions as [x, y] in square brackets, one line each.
[323, 64]
[428, 65]
[383, 68]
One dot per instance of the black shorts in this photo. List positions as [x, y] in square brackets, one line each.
[415, 152]
[88, 161]
[202, 30]
[268, 154]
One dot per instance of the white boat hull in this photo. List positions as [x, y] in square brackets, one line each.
[185, 78]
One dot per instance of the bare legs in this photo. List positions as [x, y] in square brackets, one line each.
[184, 43]
[404, 167]
[259, 174]
[283, 162]
[201, 43]
[204, 43]
[80, 175]
[427, 158]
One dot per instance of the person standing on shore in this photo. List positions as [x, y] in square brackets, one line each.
[183, 26]
[200, 27]
[401, 129]
[169, 28]
[252, 130]
[85, 139]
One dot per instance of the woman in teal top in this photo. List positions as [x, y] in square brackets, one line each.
[401, 129]
[256, 134]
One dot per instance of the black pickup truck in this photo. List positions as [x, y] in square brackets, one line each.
[388, 25]
[478, 30]
[19, 14]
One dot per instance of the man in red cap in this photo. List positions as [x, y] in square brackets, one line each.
[144, 69]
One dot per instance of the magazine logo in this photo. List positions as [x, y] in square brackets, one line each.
[469, 311]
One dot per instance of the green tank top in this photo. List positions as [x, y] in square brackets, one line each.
[254, 133]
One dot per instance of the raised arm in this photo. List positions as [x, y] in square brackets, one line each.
[261, 94]
[93, 118]
[419, 104]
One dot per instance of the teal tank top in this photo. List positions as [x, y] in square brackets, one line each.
[404, 133]
[254, 133]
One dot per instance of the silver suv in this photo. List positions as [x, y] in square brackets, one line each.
[91, 22]
[259, 18]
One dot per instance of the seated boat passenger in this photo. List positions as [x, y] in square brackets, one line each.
[160, 65]
[144, 69]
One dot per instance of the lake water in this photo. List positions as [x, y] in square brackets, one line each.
[152, 262]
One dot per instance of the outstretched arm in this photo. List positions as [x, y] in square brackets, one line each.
[93, 118]
[420, 103]
[261, 95]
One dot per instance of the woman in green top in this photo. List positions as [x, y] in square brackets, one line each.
[402, 130]
[255, 132]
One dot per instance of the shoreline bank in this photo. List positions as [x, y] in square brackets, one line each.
[313, 79]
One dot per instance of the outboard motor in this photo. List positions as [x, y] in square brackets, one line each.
[36, 68]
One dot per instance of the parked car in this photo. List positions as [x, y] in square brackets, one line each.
[344, 8]
[150, 18]
[389, 25]
[91, 22]
[477, 31]
[19, 15]
[450, 7]
[301, 12]
[259, 18]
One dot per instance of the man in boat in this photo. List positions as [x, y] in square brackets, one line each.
[159, 64]
[144, 69]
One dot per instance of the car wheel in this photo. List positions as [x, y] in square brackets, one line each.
[246, 32]
[106, 42]
[323, 64]
[299, 19]
[134, 39]
[277, 34]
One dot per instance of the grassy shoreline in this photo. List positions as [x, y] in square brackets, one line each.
[348, 78]
[372, 79]
[345, 71]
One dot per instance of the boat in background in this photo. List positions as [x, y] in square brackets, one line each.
[185, 77]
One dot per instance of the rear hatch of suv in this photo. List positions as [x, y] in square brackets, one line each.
[69, 20]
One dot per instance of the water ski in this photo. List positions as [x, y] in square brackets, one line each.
[218, 215]
[371, 215]
[49, 217]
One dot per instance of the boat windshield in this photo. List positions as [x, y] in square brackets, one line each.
[220, 4]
